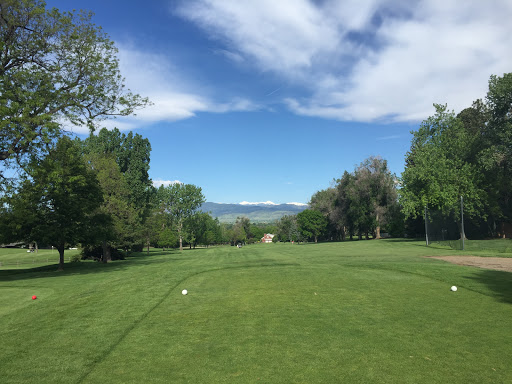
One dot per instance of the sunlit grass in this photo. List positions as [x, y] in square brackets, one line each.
[366, 311]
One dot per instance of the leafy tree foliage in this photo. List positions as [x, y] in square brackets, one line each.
[311, 223]
[122, 232]
[54, 67]
[375, 186]
[238, 234]
[58, 204]
[496, 157]
[200, 228]
[132, 154]
[466, 155]
[287, 229]
[324, 201]
[365, 199]
[181, 202]
[437, 169]
[167, 238]
[359, 203]
[346, 213]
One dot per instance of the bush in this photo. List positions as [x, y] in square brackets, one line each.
[95, 253]
[137, 247]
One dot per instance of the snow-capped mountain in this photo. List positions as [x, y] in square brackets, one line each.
[265, 203]
[257, 212]
[270, 203]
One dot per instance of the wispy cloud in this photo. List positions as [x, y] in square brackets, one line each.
[274, 91]
[173, 96]
[391, 137]
[158, 182]
[232, 56]
[367, 60]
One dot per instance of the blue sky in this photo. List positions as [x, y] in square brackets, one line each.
[265, 100]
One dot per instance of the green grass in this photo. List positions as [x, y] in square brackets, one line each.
[483, 247]
[16, 258]
[363, 311]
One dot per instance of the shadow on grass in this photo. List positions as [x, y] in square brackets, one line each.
[88, 266]
[499, 282]
[403, 240]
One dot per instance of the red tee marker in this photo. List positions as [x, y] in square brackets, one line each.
[34, 297]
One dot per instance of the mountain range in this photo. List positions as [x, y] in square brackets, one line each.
[266, 212]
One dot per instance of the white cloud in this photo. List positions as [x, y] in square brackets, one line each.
[391, 137]
[172, 95]
[282, 35]
[233, 56]
[158, 182]
[367, 60]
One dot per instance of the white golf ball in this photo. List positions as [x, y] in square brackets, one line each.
[453, 288]
[184, 292]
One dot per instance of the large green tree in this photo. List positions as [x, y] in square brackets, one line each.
[287, 229]
[181, 201]
[350, 212]
[376, 190]
[311, 223]
[201, 228]
[122, 232]
[496, 157]
[439, 171]
[131, 153]
[55, 67]
[325, 201]
[58, 205]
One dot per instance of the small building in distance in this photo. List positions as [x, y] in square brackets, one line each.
[267, 238]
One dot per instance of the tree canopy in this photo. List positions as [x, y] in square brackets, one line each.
[311, 223]
[56, 68]
[58, 204]
[466, 155]
[437, 171]
[180, 201]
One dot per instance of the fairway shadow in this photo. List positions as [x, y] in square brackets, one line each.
[85, 267]
[401, 240]
[498, 281]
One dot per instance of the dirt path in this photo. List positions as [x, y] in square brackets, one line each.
[496, 263]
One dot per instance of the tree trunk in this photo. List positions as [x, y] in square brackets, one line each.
[37, 249]
[106, 257]
[180, 226]
[377, 230]
[60, 248]
[316, 239]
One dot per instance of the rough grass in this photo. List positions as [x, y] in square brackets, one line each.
[482, 247]
[367, 311]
